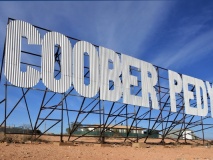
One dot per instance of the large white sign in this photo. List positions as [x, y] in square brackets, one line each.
[72, 71]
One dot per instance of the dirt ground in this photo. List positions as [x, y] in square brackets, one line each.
[90, 151]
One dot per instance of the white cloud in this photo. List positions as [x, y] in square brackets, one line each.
[190, 44]
[131, 26]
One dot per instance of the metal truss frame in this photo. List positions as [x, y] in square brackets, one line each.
[108, 116]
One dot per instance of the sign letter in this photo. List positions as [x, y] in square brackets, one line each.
[15, 31]
[80, 48]
[48, 61]
[107, 74]
[174, 88]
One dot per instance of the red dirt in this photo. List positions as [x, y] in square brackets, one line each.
[90, 152]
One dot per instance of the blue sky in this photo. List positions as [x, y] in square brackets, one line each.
[172, 34]
[177, 35]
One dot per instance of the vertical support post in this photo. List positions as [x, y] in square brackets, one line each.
[202, 129]
[62, 117]
[136, 124]
[148, 130]
[126, 123]
[5, 110]
[102, 133]
[68, 119]
[100, 111]
[184, 117]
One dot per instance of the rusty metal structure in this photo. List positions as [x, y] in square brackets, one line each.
[46, 109]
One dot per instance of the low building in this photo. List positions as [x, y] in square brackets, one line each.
[184, 134]
[115, 130]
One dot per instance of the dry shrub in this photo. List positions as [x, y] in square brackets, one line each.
[19, 138]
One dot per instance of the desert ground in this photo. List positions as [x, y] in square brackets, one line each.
[91, 151]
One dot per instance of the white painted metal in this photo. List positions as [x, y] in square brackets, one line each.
[48, 60]
[174, 88]
[15, 31]
[149, 80]
[129, 80]
[107, 74]
[202, 105]
[188, 95]
[79, 50]
[210, 92]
